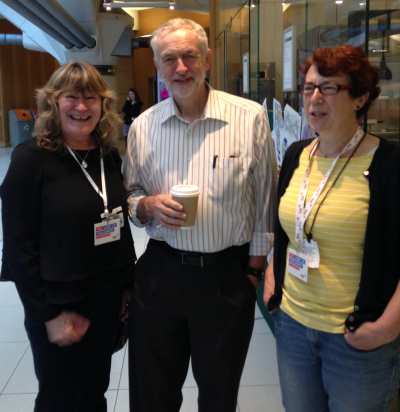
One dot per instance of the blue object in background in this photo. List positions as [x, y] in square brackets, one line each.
[20, 123]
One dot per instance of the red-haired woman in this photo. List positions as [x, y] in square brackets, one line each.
[335, 273]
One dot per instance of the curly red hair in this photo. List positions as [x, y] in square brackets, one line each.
[352, 62]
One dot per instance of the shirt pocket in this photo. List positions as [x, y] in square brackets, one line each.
[226, 179]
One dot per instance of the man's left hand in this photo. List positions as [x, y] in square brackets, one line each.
[369, 336]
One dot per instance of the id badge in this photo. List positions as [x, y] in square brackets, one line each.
[107, 231]
[297, 264]
[311, 249]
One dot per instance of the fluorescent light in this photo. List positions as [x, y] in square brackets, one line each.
[339, 1]
[137, 4]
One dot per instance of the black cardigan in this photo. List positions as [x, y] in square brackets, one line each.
[380, 271]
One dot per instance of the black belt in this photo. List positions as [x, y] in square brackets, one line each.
[198, 258]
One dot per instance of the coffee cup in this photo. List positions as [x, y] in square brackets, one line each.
[187, 196]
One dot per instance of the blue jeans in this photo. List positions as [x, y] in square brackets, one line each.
[320, 372]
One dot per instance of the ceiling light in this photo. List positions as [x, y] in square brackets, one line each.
[137, 4]
[339, 1]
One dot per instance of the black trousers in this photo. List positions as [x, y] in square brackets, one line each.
[183, 312]
[75, 378]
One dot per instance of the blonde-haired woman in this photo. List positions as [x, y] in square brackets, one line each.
[65, 244]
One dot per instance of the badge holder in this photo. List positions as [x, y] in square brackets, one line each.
[116, 213]
[311, 249]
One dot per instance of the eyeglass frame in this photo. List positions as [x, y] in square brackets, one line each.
[339, 87]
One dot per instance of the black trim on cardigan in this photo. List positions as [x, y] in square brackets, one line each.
[380, 271]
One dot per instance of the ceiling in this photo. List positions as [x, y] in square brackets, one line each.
[187, 5]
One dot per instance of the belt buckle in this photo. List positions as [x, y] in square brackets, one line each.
[201, 261]
[185, 261]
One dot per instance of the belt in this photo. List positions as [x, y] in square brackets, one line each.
[198, 258]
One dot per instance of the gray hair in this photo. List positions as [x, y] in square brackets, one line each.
[178, 24]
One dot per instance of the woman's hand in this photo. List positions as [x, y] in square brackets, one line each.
[269, 283]
[67, 328]
[369, 336]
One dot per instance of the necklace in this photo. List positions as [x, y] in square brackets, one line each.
[82, 160]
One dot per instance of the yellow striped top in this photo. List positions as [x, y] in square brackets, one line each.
[324, 302]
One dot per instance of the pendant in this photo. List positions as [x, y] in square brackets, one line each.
[84, 164]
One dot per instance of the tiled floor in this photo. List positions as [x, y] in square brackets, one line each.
[259, 390]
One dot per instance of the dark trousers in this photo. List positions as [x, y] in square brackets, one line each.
[183, 312]
[75, 378]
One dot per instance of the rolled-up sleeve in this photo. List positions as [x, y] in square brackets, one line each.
[265, 180]
[132, 174]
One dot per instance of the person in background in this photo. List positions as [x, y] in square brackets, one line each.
[195, 288]
[66, 239]
[335, 271]
[131, 109]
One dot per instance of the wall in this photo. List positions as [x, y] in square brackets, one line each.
[21, 72]
[150, 19]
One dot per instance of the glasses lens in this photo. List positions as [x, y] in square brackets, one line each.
[308, 88]
[329, 89]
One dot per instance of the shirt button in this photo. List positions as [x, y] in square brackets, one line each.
[351, 318]
[366, 173]
[356, 308]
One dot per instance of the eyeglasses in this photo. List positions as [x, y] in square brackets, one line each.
[328, 89]
[187, 58]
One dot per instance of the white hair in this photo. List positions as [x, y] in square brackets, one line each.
[178, 24]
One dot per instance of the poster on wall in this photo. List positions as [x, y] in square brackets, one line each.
[289, 59]
[246, 74]
[277, 127]
[291, 129]
[162, 90]
[287, 128]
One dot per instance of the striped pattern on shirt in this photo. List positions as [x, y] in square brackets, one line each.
[324, 302]
[237, 189]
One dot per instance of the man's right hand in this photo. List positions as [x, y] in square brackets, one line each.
[162, 209]
[67, 328]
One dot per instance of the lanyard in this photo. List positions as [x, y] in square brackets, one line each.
[303, 208]
[103, 192]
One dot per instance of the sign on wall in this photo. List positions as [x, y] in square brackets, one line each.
[289, 59]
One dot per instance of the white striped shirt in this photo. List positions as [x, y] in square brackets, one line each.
[237, 190]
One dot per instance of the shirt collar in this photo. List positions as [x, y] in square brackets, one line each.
[215, 108]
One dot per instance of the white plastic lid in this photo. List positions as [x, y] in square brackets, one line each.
[184, 190]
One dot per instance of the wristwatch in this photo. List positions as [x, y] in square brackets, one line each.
[257, 273]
